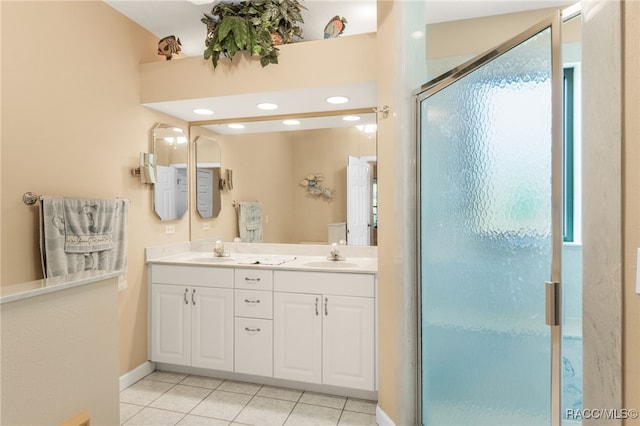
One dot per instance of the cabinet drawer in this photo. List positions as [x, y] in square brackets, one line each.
[339, 284]
[254, 346]
[204, 276]
[254, 279]
[254, 304]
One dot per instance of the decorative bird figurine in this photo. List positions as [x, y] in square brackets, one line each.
[169, 46]
[335, 27]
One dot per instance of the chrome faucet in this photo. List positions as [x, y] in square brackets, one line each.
[218, 249]
[335, 253]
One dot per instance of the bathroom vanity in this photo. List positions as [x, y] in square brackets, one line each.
[298, 320]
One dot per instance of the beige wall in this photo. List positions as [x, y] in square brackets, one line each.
[450, 44]
[58, 356]
[392, 380]
[472, 36]
[72, 124]
[631, 185]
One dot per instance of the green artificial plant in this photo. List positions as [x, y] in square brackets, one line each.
[248, 26]
[284, 16]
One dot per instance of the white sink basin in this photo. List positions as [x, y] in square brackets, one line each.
[212, 259]
[331, 264]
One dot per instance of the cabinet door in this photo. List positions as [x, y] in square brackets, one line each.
[297, 340]
[170, 324]
[254, 346]
[212, 328]
[348, 342]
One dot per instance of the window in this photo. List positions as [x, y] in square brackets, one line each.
[568, 169]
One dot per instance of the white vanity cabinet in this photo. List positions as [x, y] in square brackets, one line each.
[307, 326]
[192, 319]
[324, 328]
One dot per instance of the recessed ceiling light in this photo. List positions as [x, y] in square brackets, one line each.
[291, 122]
[235, 126]
[337, 100]
[267, 106]
[367, 128]
[351, 118]
[203, 111]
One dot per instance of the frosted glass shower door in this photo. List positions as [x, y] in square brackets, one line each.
[487, 237]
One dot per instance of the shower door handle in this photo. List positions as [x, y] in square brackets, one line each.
[552, 302]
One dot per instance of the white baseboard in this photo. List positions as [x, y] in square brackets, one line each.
[382, 419]
[127, 379]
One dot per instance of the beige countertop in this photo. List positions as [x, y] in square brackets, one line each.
[366, 265]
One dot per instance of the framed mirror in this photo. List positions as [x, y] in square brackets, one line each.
[170, 192]
[270, 161]
[208, 158]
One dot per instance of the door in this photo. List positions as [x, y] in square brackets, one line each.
[347, 342]
[212, 328]
[171, 326]
[164, 194]
[358, 202]
[181, 192]
[297, 337]
[490, 155]
[204, 197]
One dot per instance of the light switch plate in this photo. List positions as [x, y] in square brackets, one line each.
[122, 283]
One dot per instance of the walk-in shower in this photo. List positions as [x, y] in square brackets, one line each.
[495, 171]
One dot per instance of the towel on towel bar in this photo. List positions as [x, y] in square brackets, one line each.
[250, 221]
[59, 258]
[88, 224]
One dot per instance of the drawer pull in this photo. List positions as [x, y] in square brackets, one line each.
[186, 290]
[326, 302]
[252, 330]
[193, 299]
[251, 301]
[316, 306]
[252, 279]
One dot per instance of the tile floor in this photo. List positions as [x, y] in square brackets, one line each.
[165, 398]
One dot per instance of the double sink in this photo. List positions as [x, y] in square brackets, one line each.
[288, 262]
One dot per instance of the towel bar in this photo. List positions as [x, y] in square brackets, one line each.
[30, 198]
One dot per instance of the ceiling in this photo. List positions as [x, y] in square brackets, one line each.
[182, 19]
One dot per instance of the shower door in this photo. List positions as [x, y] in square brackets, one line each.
[490, 236]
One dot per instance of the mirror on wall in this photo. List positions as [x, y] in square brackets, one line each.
[316, 178]
[170, 192]
[208, 159]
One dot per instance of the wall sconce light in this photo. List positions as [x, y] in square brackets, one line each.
[226, 180]
[145, 170]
